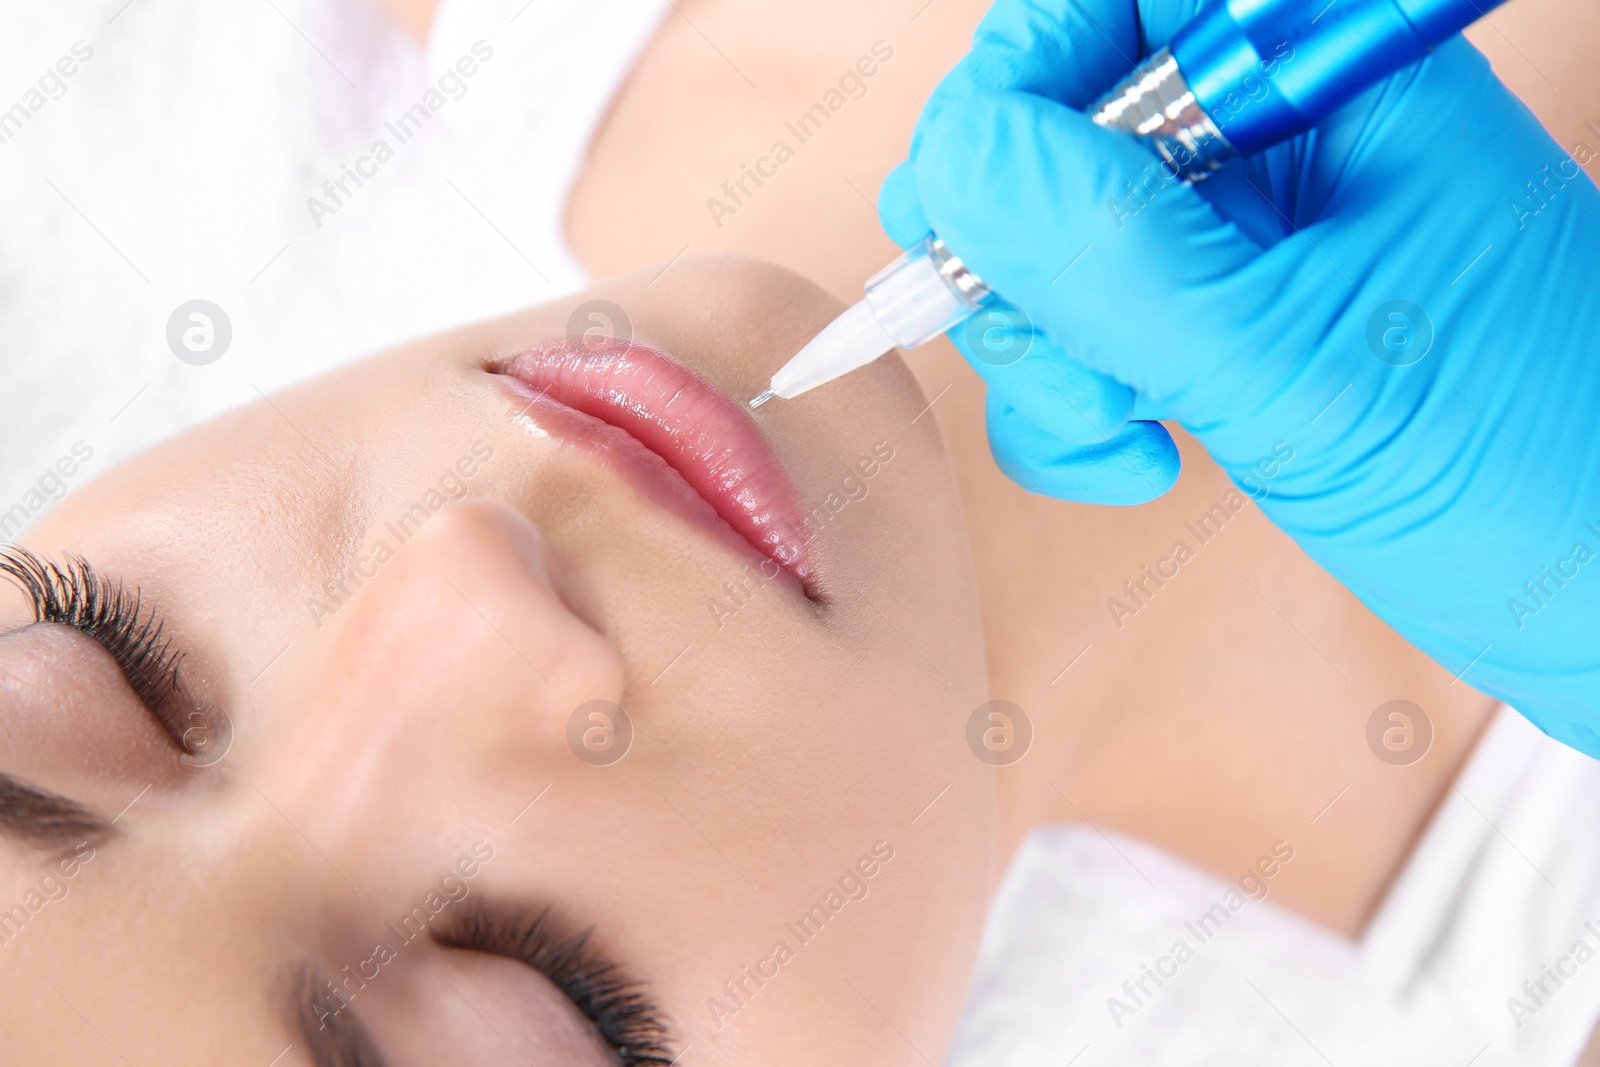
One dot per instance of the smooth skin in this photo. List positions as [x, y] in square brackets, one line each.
[1430, 488]
[1230, 712]
[374, 747]
[1207, 775]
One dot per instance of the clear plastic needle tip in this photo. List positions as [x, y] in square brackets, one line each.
[762, 397]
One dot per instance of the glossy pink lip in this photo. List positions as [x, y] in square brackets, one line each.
[700, 437]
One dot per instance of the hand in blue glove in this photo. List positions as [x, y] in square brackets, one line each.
[1406, 299]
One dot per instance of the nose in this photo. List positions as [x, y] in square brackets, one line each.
[439, 695]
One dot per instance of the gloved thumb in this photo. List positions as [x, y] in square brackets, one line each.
[1126, 268]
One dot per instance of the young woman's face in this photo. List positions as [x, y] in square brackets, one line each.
[381, 793]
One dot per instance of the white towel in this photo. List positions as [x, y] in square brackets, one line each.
[176, 163]
[1504, 882]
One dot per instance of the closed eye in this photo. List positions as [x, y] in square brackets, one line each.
[78, 596]
[616, 1004]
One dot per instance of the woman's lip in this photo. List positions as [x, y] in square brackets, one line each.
[695, 429]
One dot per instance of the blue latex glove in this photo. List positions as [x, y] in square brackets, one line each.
[1445, 455]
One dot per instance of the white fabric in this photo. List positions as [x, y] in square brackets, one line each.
[178, 163]
[1503, 883]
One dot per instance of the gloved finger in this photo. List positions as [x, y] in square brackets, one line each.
[1071, 51]
[1016, 361]
[1074, 51]
[1137, 465]
[899, 209]
[1030, 374]
[1024, 189]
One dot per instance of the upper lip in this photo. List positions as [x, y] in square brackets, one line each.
[701, 432]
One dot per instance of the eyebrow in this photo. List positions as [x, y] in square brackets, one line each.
[43, 819]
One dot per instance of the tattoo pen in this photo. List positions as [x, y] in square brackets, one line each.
[1242, 76]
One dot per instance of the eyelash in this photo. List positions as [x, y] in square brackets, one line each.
[78, 596]
[616, 1005]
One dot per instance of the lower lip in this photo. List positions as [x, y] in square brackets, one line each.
[679, 441]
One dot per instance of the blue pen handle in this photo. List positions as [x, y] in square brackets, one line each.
[1244, 75]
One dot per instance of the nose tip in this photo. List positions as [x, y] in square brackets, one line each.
[451, 672]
